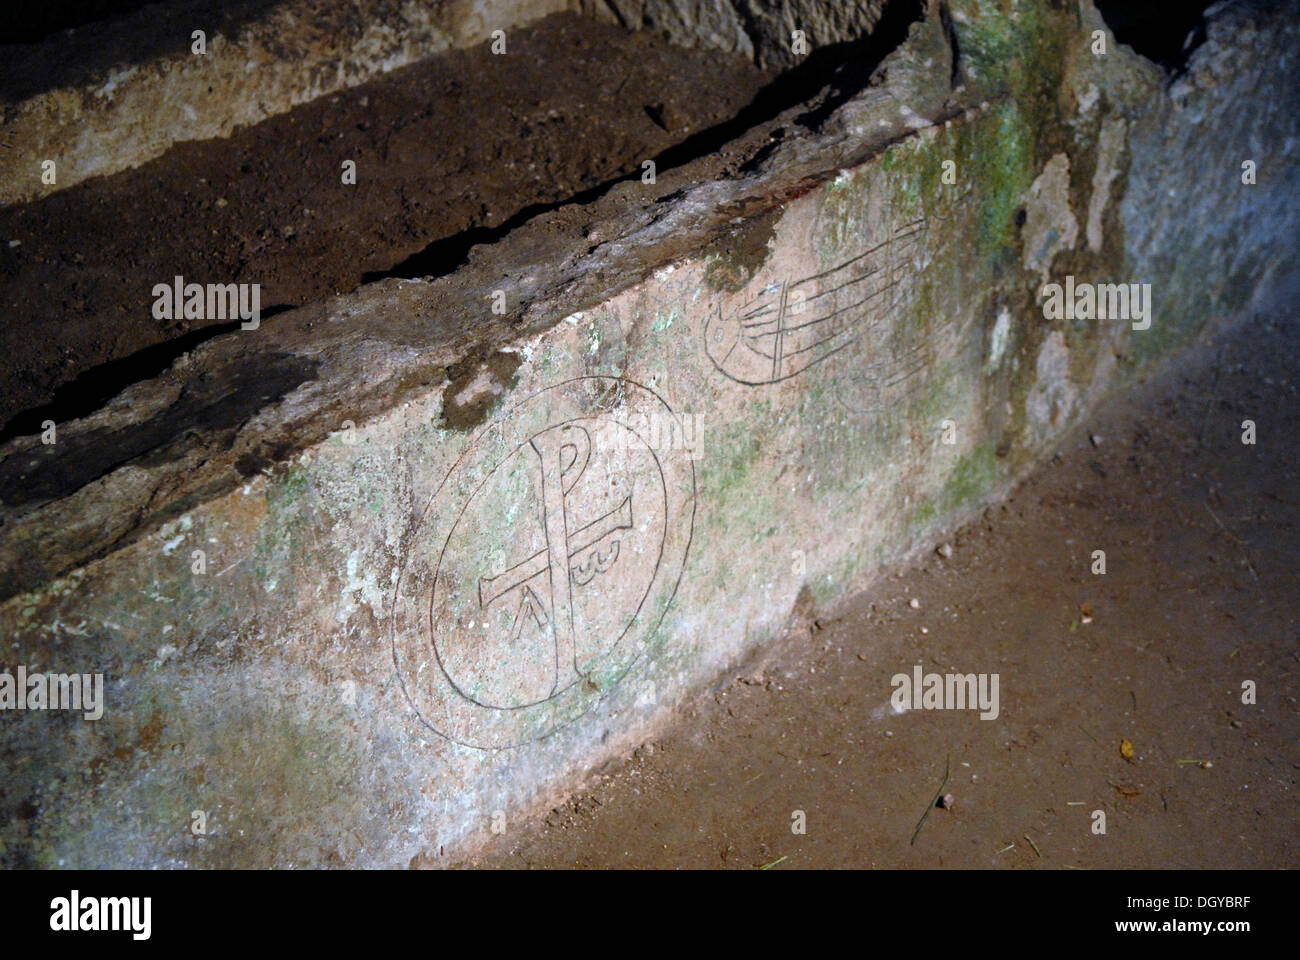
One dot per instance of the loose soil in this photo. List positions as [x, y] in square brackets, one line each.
[1199, 595]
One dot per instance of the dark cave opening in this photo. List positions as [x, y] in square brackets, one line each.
[1164, 31]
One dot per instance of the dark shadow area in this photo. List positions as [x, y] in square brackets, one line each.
[88, 392]
[33, 22]
[1164, 31]
[105, 33]
[212, 407]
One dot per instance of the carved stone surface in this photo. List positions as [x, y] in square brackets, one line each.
[770, 374]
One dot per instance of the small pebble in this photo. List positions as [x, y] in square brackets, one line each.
[944, 550]
[914, 603]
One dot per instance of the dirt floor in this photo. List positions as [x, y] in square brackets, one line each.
[1199, 595]
[448, 153]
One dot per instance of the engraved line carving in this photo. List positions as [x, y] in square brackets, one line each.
[792, 325]
[557, 558]
[497, 644]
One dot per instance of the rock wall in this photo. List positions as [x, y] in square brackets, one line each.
[455, 559]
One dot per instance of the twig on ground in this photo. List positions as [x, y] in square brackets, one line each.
[947, 771]
[1240, 542]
